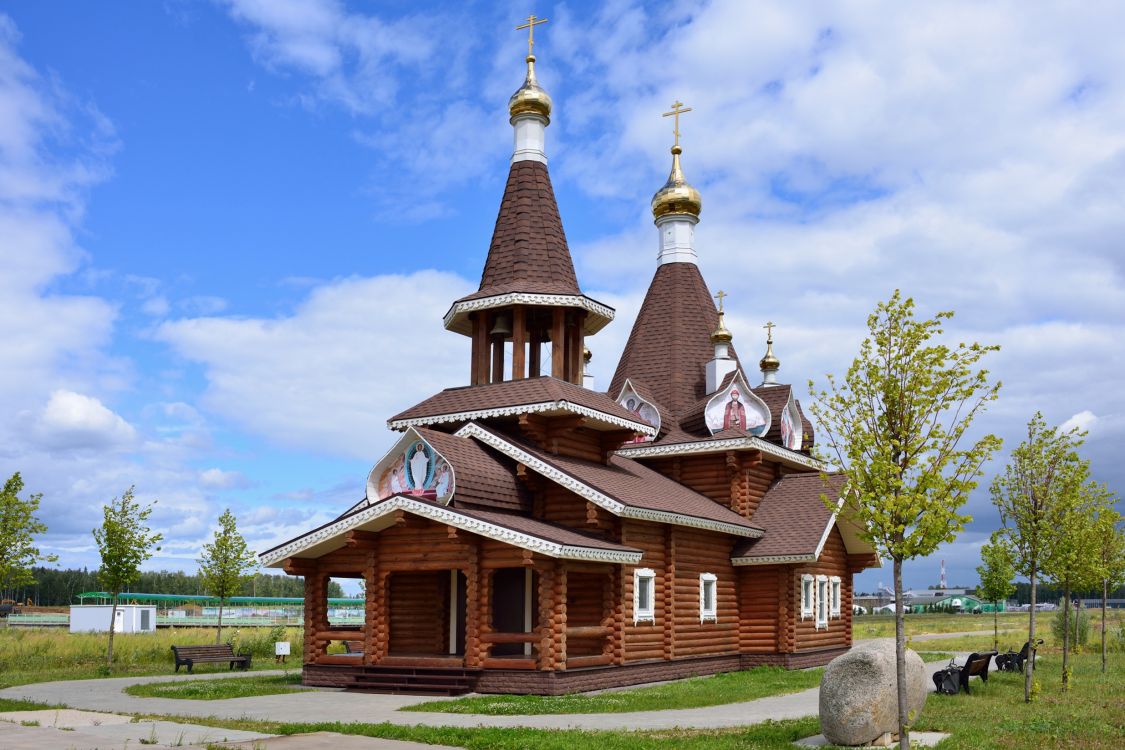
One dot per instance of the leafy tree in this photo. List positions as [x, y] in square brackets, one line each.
[996, 574]
[124, 541]
[1110, 557]
[18, 527]
[1043, 475]
[226, 564]
[895, 427]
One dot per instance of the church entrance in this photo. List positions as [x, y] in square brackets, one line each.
[427, 613]
[513, 608]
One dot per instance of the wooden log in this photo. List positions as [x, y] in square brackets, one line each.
[509, 637]
[577, 662]
[496, 662]
[588, 631]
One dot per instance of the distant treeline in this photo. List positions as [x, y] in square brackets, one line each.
[57, 587]
[1053, 594]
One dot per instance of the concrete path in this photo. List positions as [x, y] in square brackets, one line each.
[330, 705]
[68, 729]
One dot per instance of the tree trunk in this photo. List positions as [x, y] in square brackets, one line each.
[219, 630]
[1105, 595]
[112, 623]
[900, 659]
[1066, 636]
[1029, 666]
[996, 626]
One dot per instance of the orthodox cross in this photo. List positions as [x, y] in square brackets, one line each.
[678, 109]
[719, 297]
[532, 22]
[769, 326]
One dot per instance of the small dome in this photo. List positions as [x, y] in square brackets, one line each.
[770, 362]
[677, 196]
[721, 335]
[530, 98]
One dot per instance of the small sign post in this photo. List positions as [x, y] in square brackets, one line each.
[280, 651]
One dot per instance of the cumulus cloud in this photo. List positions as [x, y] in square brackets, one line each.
[74, 421]
[217, 479]
[1083, 421]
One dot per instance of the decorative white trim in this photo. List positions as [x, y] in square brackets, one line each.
[600, 315]
[703, 445]
[822, 601]
[828, 528]
[452, 518]
[808, 603]
[583, 490]
[708, 614]
[644, 614]
[772, 559]
[507, 411]
[835, 595]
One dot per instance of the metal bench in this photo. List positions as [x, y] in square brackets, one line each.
[955, 678]
[191, 655]
[1013, 662]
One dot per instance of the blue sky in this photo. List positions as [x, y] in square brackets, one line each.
[230, 229]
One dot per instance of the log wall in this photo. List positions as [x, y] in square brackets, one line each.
[759, 623]
[418, 613]
[833, 562]
[737, 479]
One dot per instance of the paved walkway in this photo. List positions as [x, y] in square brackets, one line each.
[332, 705]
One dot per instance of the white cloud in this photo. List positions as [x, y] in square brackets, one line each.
[1083, 421]
[75, 421]
[327, 377]
[217, 479]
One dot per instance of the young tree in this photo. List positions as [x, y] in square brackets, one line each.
[1042, 474]
[1110, 557]
[996, 575]
[895, 427]
[226, 563]
[124, 541]
[18, 528]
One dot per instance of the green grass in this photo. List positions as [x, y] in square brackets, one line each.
[210, 690]
[11, 705]
[44, 654]
[729, 687]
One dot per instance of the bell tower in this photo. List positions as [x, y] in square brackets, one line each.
[529, 317]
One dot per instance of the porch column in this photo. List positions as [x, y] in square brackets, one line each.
[552, 616]
[316, 612]
[373, 606]
[473, 609]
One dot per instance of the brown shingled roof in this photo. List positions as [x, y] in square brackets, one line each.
[776, 397]
[793, 516]
[513, 393]
[670, 344]
[546, 530]
[633, 484]
[529, 251]
[481, 477]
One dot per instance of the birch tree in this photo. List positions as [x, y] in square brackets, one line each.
[996, 574]
[1042, 474]
[226, 563]
[895, 426]
[124, 541]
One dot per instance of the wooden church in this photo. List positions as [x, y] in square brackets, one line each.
[527, 534]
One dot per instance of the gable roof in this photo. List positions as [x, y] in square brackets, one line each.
[484, 478]
[513, 397]
[670, 343]
[623, 487]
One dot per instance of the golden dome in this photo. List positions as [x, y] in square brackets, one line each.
[769, 362]
[721, 335]
[677, 196]
[530, 98]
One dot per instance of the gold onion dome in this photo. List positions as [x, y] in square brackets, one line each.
[530, 98]
[769, 362]
[677, 196]
[721, 335]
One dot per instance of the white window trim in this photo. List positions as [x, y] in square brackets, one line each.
[646, 614]
[706, 614]
[808, 603]
[836, 592]
[822, 603]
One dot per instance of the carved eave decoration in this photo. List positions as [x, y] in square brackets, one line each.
[784, 456]
[595, 496]
[598, 418]
[381, 515]
[598, 315]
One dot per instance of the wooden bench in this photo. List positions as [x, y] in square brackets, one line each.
[353, 647]
[976, 666]
[192, 655]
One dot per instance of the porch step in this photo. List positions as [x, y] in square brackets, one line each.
[421, 680]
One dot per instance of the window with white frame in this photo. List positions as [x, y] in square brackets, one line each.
[708, 597]
[644, 595]
[808, 596]
[821, 602]
[834, 584]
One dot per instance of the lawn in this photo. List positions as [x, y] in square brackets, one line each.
[1091, 716]
[210, 690]
[45, 654]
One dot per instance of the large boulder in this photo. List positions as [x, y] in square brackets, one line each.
[858, 696]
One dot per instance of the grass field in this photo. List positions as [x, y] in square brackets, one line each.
[44, 654]
[210, 690]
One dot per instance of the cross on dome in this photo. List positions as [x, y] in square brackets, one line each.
[678, 109]
[532, 21]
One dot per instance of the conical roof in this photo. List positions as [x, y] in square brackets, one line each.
[670, 344]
